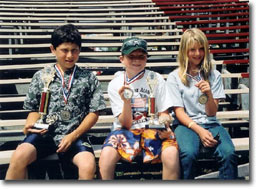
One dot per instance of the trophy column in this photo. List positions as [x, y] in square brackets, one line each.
[47, 76]
[153, 122]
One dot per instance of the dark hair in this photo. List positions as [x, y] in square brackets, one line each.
[66, 33]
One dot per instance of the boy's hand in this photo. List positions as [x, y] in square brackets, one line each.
[65, 143]
[165, 134]
[165, 119]
[121, 92]
[29, 128]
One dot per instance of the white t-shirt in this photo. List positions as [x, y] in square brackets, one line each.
[139, 100]
[187, 96]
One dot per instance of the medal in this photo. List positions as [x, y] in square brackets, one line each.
[128, 93]
[65, 115]
[203, 99]
[66, 91]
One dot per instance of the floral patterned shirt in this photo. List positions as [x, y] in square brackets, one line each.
[85, 97]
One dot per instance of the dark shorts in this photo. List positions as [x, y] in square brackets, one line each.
[45, 146]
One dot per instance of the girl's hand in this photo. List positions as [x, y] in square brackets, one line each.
[207, 138]
[204, 86]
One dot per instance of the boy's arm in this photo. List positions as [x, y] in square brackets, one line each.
[125, 118]
[86, 124]
[164, 117]
[30, 121]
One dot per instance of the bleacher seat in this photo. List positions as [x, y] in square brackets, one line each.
[26, 27]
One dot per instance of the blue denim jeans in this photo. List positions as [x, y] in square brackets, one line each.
[189, 146]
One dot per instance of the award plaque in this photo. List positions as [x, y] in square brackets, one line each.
[47, 76]
[153, 122]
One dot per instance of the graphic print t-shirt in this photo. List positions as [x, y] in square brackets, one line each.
[139, 100]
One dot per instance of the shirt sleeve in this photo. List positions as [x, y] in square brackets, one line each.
[217, 85]
[33, 96]
[173, 89]
[115, 99]
[97, 101]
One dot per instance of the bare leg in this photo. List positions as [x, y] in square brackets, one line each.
[24, 155]
[171, 165]
[85, 161]
[107, 163]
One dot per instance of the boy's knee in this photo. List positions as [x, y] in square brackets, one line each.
[170, 153]
[88, 167]
[23, 158]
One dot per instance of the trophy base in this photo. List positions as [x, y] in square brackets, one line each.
[158, 127]
[41, 126]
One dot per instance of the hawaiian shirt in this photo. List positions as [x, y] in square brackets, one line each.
[85, 97]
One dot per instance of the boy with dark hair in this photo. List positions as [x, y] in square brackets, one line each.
[72, 109]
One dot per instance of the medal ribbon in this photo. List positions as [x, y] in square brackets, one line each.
[66, 91]
[196, 78]
[136, 77]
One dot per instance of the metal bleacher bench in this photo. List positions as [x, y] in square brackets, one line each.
[13, 127]
[241, 144]
[105, 24]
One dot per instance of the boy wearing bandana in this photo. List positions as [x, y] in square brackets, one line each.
[72, 109]
[129, 93]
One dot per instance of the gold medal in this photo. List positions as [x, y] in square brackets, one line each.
[128, 93]
[203, 99]
[65, 115]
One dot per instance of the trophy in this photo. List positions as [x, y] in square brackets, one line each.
[153, 122]
[47, 76]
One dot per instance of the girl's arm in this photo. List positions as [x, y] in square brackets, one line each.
[211, 106]
[205, 136]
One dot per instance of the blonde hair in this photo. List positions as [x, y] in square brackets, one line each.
[188, 39]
